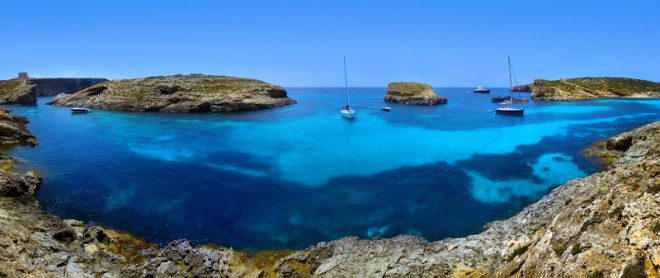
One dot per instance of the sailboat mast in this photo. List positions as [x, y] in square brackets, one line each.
[348, 99]
[510, 84]
[511, 72]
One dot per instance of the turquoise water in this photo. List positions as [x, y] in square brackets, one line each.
[294, 176]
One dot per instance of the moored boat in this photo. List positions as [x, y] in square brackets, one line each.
[347, 112]
[82, 109]
[500, 99]
[510, 111]
[386, 108]
[507, 107]
[481, 90]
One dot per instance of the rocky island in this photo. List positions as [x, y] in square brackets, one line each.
[179, 93]
[592, 88]
[25, 90]
[607, 224]
[412, 93]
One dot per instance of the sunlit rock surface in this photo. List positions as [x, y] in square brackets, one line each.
[179, 93]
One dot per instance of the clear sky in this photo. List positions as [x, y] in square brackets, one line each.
[301, 42]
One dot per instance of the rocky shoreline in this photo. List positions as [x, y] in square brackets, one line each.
[194, 93]
[607, 224]
[567, 89]
[412, 93]
[26, 90]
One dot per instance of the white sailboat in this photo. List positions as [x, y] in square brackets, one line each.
[347, 112]
[507, 107]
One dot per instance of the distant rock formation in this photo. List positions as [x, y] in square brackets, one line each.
[412, 93]
[179, 93]
[24, 90]
[522, 88]
[54, 86]
[17, 91]
[593, 88]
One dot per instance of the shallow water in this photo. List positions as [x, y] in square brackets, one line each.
[294, 176]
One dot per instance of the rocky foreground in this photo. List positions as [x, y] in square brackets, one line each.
[591, 88]
[179, 93]
[605, 225]
[412, 93]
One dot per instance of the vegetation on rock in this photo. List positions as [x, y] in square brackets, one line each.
[179, 93]
[17, 91]
[593, 87]
[413, 93]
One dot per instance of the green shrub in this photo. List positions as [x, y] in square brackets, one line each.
[616, 213]
[656, 228]
[576, 249]
[518, 251]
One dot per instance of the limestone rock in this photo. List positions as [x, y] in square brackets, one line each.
[192, 93]
[412, 93]
[593, 88]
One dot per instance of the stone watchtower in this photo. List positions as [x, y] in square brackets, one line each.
[23, 75]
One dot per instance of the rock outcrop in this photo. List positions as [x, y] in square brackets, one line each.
[25, 91]
[44, 87]
[179, 93]
[604, 225]
[593, 88]
[522, 88]
[17, 91]
[413, 93]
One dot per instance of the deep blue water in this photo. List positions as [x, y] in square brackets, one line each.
[294, 176]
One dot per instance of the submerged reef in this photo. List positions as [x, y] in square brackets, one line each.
[593, 88]
[412, 93]
[607, 224]
[179, 93]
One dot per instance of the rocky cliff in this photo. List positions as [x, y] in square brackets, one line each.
[179, 93]
[17, 91]
[604, 225]
[413, 93]
[26, 91]
[522, 88]
[54, 86]
[592, 88]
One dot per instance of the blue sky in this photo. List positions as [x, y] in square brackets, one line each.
[300, 43]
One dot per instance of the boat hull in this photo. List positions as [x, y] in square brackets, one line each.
[518, 112]
[80, 110]
[348, 114]
[481, 91]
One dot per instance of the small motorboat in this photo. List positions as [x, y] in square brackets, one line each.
[82, 109]
[510, 111]
[481, 90]
[386, 108]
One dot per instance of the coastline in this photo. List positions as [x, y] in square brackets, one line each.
[40, 244]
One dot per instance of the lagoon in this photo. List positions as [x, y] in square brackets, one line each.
[301, 174]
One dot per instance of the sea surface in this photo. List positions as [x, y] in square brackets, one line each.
[294, 176]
